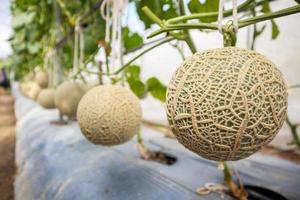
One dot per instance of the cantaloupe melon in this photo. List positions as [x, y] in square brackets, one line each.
[109, 115]
[225, 104]
[67, 97]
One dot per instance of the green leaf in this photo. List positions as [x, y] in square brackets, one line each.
[298, 1]
[132, 75]
[133, 71]
[131, 40]
[90, 45]
[275, 30]
[156, 89]
[33, 48]
[259, 32]
[195, 6]
[164, 9]
[137, 87]
[23, 18]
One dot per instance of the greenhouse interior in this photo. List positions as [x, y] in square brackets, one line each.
[150, 100]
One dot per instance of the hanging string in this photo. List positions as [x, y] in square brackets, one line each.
[220, 16]
[57, 78]
[48, 66]
[75, 54]
[78, 47]
[106, 15]
[113, 17]
[234, 15]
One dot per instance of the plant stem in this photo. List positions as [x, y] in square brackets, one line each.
[293, 86]
[242, 23]
[188, 39]
[179, 51]
[226, 172]
[168, 39]
[139, 137]
[183, 26]
[100, 76]
[293, 128]
[226, 13]
[158, 21]
[152, 16]
[264, 17]
[66, 12]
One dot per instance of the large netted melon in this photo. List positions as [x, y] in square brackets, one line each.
[109, 115]
[225, 104]
[46, 98]
[41, 78]
[67, 97]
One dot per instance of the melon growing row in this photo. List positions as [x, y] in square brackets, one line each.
[65, 97]
[223, 104]
[107, 115]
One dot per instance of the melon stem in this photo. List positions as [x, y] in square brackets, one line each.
[237, 191]
[139, 137]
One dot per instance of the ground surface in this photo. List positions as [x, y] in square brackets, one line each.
[7, 146]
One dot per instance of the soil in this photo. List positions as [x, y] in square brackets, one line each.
[7, 146]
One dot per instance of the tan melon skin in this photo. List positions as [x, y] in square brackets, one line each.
[67, 97]
[42, 79]
[30, 90]
[225, 104]
[109, 115]
[46, 98]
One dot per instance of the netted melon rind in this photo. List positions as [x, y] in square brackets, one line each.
[67, 97]
[41, 78]
[225, 104]
[109, 115]
[46, 98]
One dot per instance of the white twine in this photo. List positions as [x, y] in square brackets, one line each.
[234, 15]
[113, 17]
[52, 65]
[57, 77]
[78, 47]
[49, 65]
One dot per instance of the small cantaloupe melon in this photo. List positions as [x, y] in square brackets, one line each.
[46, 98]
[67, 97]
[109, 115]
[42, 79]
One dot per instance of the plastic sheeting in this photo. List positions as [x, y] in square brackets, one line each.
[57, 162]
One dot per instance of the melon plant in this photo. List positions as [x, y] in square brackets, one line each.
[223, 104]
[109, 115]
[226, 103]
[46, 98]
[67, 97]
[42, 79]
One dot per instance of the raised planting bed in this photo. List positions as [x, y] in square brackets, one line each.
[57, 162]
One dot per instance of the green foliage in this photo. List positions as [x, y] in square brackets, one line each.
[164, 9]
[40, 24]
[132, 75]
[195, 6]
[131, 40]
[152, 85]
[36, 30]
[157, 89]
